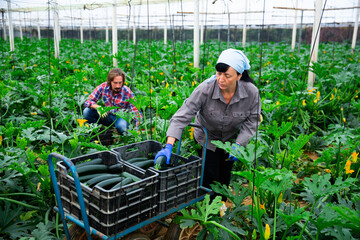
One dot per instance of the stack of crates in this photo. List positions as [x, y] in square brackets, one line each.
[177, 185]
[110, 211]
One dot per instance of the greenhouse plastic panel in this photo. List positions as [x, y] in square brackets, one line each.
[176, 185]
[110, 211]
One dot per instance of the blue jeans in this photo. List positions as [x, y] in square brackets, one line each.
[92, 116]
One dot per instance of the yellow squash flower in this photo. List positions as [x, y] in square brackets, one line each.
[191, 132]
[354, 156]
[167, 85]
[332, 97]
[327, 170]
[304, 103]
[81, 121]
[262, 206]
[344, 120]
[222, 209]
[280, 198]
[151, 91]
[33, 113]
[267, 232]
[347, 167]
[161, 73]
[44, 104]
[1, 138]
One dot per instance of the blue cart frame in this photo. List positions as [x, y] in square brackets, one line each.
[85, 223]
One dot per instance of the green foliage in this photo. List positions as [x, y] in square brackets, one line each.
[40, 112]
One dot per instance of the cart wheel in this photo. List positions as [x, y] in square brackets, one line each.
[136, 236]
[173, 232]
[190, 233]
[78, 233]
[151, 229]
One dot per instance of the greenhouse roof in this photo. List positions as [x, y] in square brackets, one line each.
[180, 13]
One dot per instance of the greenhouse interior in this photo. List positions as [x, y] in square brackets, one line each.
[179, 119]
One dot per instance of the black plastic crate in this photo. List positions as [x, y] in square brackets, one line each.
[110, 211]
[176, 185]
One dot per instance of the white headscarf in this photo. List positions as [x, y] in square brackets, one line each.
[234, 58]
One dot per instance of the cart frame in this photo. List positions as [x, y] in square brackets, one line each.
[85, 222]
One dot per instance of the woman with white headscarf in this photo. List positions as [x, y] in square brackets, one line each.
[228, 106]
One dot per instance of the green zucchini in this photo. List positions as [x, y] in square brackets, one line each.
[100, 178]
[91, 169]
[91, 162]
[87, 177]
[137, 159]
[160, 163]
[129, 175]
[116, 168]
[124, 182]
[109, 182]
[144, 164]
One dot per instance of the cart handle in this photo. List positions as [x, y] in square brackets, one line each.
[203, 150]
[69, 163]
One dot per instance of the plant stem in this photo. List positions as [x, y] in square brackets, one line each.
[224, 228]
[306, 230]
[338, 162]
[312, 209]
[275, 143]
[20, 203]
[275, 218]
[285, 233]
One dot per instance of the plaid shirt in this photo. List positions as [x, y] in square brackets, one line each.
[110, 99]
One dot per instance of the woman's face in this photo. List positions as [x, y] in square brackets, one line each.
[227, 80]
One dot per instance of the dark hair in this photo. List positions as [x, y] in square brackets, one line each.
[114, 73]
[223, 67]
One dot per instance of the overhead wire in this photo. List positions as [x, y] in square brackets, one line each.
[49, 72]
[257, 121]
[304, 79]
[149, 57]
[205, 43]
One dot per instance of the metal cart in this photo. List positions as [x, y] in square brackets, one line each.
[84, 223]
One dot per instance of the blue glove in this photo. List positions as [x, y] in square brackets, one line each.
[166, 152]
[231, 157]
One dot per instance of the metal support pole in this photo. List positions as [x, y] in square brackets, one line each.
[196, 34]
[356, 25]
[56, 31]
[114, 35]
[244, 24]
[3, 25]
[165, 25]
[11, 29]
[293, 42]
[315, 41]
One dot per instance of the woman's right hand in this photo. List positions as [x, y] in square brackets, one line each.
[166, 152]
